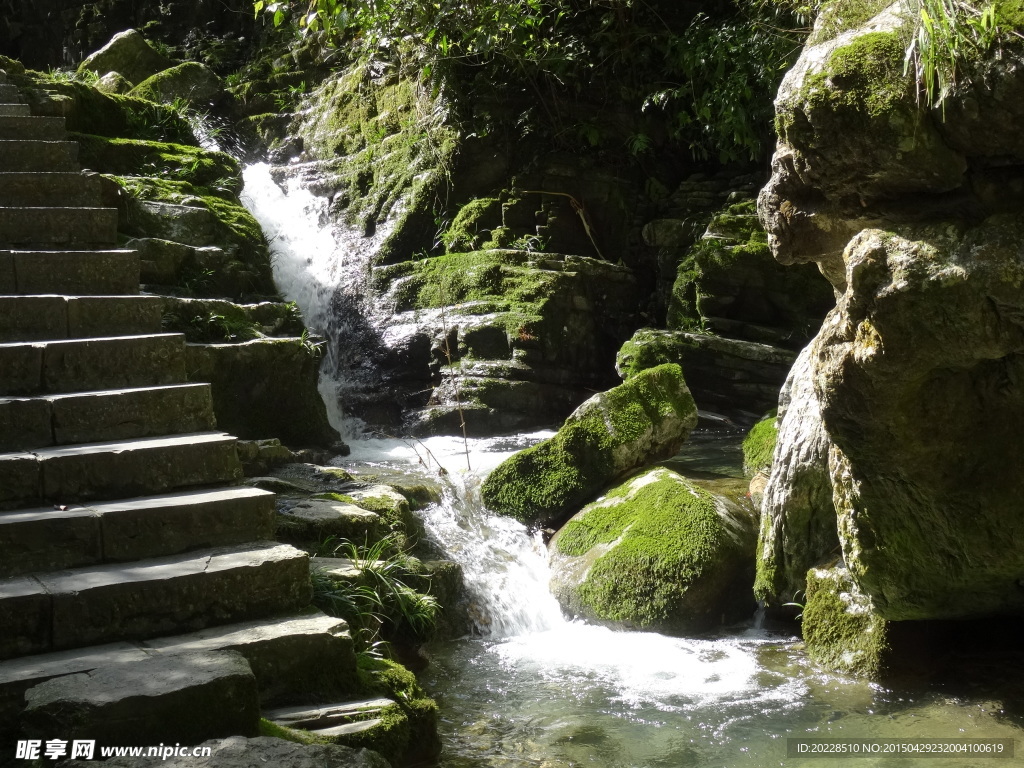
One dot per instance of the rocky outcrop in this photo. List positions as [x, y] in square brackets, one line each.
[911, 389]
[191, 82]
[612, 434]
[656, 553]
[128, 54]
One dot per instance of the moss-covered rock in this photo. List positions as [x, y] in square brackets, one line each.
[191, 82]
[840, 626]
[729, 284]
[609, 436]
[656, 553]
[129, 54]
[740, 378]
[759, 446]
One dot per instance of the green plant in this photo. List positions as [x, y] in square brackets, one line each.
[379, 603]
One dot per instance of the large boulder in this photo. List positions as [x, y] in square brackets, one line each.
[130, 55]
[612, 434]
[191, 81]
[656, 553]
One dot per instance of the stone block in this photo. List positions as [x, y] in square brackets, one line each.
[25, 423]
[30, 155]
[315, 520]
[166, 699]
[76, 272]
[22, 365]
[20, 479]
[29, 318]
[125, 361]
[26, 616]
[48, 539]
[90, 316]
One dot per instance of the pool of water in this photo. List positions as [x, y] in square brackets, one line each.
[536, 690]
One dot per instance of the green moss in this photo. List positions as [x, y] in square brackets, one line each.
[648, 348]
[472, 224]
[838, 16]
[397, 515]
[661, 554]
[298, 736]
[173, 162]
[759, 446]
[1010, 14]
[551, 479]
[864, 79]
[840, 627]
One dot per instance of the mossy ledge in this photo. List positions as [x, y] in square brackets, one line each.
[612, 434]
[759, 445]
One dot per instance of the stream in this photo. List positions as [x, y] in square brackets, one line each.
[532, 688]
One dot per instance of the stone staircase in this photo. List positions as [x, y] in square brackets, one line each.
[122, 536]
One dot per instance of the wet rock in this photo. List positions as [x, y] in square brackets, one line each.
[313, 521]
[646, 418]
[656, 553]
[129, 54]
[113, 82]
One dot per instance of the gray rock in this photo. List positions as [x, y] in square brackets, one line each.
[240, 752]
[315, 520]
[129, 54]
[167, 699]
[113, 82]
[191, 81]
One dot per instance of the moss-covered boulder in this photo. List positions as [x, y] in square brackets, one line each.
[129, 54]
[612, 434]
[840, 626]
[731, 376]
[191, 82]
[656, 553]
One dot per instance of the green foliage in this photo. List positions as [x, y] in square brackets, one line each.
[379, 603]
[710, 77]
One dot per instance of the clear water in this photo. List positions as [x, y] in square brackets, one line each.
[533, 689]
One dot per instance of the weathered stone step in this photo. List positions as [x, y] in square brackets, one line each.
[114, 414]
[192, 697]
[54, 538]
[51, 317]
[88, 606]
[15, 109]
[42, 190]
[328, 716]
[83, 273]
[32, 155]
[31, 127]
[292, 657]
[114, 470]
[9, 94]
[77, 365]
[58, 226]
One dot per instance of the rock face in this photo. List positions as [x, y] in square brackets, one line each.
[656, 553]
[645, 419]
[912, 388]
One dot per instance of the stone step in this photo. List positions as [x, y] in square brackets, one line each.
[9, 94]
[114, 414]
[54, 538]
[51, 317]
[15, 109]
[42, 190]
[45, 227]
[188, 698]
[144, 599]
[77, 365]
[113, 470]
[34, 155]
[292, 657]
[83, 273]
[31, 127]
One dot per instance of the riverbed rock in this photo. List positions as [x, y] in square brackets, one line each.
[612, 434]
[656, 553]
[798, 518]
[842, 630]
[128, 53]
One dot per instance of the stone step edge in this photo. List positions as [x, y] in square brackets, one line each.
[91, 340]
[328, 715]
[100, 392]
